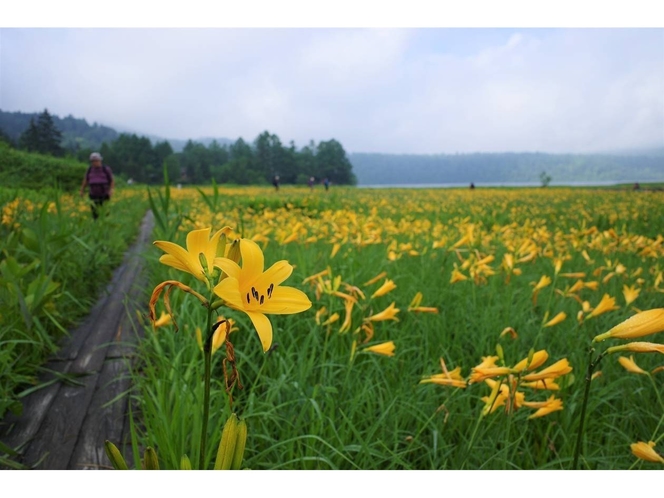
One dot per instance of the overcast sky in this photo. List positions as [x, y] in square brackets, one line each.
[375, 90]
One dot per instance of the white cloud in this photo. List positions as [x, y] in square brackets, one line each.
[374, 90]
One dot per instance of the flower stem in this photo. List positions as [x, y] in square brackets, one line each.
[589, 375]
[207, 353]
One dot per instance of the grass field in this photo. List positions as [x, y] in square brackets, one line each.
[484, 282]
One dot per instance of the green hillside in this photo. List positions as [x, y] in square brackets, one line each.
[20, 169]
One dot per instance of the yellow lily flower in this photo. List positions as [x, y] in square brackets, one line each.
[345, 327]
[424, 309]
[385, 349]
[638, 347]
[554, 371]
[375, 279]
[334, 317]
[447, 378]
[201, 249]
[642, 324]
[552, 404]
[500, 396]
[219, 336]
[257, 292]
[388, 286]
[630, 293]
[457, 276]
[578, 274]
[320, 313]
[646, 451]
[548, 385]
[630, 365]
[415, 305]
[510, 331]
[388, 313]
[163, 320]
[538, 359]
[556, 319]
[607, 303]
[543, 282]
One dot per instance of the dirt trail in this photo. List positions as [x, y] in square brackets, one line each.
[64, 425]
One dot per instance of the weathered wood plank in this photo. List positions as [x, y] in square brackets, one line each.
[52, 446]
[105, 417]
[16, 432]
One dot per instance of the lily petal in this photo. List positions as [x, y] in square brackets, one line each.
[263, 327]
[285, 301]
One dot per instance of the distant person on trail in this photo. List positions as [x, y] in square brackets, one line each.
[311, 183]
[99, 179]
[326, 182]
[275, 182]
[472, 186]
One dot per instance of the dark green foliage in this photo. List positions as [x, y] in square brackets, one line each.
[20, 169]
[42, 136]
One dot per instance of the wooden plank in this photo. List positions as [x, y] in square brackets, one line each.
[105, 417]
[54, 443]
[16, 432]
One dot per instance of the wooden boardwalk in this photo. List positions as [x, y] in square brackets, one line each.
[64, 425]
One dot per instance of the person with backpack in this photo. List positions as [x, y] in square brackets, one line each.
[99, 179]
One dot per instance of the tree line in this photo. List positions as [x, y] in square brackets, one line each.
[240, 162]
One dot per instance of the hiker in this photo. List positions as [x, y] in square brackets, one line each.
[99, 178]
[326, 182]
[275, 182]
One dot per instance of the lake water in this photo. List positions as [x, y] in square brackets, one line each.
[499, 184]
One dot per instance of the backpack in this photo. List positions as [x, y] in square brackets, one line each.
[99, 189]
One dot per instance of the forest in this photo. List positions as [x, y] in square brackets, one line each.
[143, 159]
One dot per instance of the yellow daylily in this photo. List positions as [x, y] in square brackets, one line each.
[638, 347]
[163, 320]
[201, 250]
[388, 286]
[630, 293]
[642, 324]
[646, 451]
[334, 317]
[447, 378]
[510, 331]
[345, 327]
[385, 349]
[219, 336]
[554, 371]
[389, 313]
[537, 360]
[544, 281]
[556, 319]
[630, 365]
[375, 279]
[607, 303]
[320, 313]
[544, 407]
[415, 305]
[257, 292]
[457, 276]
